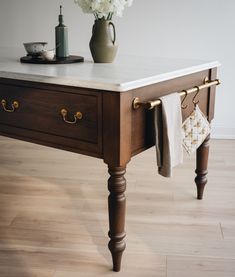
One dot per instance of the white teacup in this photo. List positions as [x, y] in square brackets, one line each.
[48, 55]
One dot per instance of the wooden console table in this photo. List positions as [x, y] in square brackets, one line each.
[88, 109]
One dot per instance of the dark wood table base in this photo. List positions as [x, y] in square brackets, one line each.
[108, 128]
[201, 169]
[117, 211]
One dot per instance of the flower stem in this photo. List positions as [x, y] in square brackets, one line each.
[96, 16]
[110, 15]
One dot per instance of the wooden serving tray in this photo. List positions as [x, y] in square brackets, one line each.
[38, 60]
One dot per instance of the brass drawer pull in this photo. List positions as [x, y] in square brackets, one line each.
[77, 116]
[14, 106]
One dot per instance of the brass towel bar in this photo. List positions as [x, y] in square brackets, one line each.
[151, 104]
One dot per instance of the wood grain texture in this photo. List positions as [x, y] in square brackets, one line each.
[117, 111]
[39, 110]
[201, 167]
[203, 267]
[143, 120]
[38, 118]
[211, 95]
[53, 211]
[117, 213]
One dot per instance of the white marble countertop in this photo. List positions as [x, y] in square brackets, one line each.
[127, 72]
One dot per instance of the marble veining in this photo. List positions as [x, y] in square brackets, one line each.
[126, 73]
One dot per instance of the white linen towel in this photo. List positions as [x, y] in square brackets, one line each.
[168, 124]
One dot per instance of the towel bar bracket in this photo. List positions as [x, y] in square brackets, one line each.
[136, 104]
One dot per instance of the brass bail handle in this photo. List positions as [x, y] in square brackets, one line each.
[14, 106]
[77, 116]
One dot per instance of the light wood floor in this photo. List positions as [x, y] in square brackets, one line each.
[53, 216]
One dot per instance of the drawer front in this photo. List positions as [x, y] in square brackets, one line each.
[40, 110]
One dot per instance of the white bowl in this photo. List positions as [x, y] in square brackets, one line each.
[48, 55]
[34, 48]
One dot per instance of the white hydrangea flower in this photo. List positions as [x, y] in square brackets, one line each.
[104, 8]
[85, 5]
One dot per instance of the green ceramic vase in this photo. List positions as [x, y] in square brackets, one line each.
[103, 44]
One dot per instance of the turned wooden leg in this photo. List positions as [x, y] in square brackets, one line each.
[117, 207]
[201, 169]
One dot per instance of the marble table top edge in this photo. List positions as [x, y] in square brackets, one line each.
[118, 87]
[124, 74]
[165, 76]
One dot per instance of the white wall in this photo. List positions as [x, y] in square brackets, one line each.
[202, 29]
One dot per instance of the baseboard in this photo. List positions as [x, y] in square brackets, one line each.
[219, 132]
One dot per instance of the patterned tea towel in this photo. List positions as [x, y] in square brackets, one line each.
[194, 130]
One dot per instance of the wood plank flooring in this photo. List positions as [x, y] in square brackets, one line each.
[54, 223]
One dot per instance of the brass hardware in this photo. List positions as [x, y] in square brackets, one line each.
[151, 104]
[194, 97]
[14, 106]
[76, 116]
[136, 103]
[206, 80]
[182, 102]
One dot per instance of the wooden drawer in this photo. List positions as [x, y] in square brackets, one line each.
[40, 110]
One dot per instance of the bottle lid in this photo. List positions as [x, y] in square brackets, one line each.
[61, 19]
